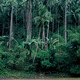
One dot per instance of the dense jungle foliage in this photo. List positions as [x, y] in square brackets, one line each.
[40, 36]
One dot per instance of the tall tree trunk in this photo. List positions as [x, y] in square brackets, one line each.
[65, 21]
[50, 9]
[48, 30]
[37, 46]
[11, 25]
[58, 33]
[29, 19]
[24, 24]
[53, 27]
[56, 17]
[41, 2]
[46, 46]
[43, 36]
[3, 27]
[16, 17]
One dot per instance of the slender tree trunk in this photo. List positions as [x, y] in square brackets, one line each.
[23, 18]
[58, 33]
[47, 37]
[53, 27]
[65, 21]
[37, 46]
[50, 9]
[48, 30]
[16, 17]
[29, 19]
[43, 36]
[11, 25]
[24, 24]
[41, 2]
[56, 17]
[71, 19]
[3, 27]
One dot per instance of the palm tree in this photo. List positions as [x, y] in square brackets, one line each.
[48, 19]
[51, 4]
[74, 14]
[43, 16]
[11, 25]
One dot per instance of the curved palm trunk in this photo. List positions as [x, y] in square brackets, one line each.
[37, 46]
[11, 25]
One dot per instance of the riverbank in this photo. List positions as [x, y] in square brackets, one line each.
[32, 75]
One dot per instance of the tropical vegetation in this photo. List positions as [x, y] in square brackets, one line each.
[40, 36]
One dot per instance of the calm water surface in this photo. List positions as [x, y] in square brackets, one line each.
[46, 79]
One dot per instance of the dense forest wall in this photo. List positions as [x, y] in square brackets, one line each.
[40, 35]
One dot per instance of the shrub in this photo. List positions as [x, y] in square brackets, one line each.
[43, 60]
[75, 69]
[17, 59]
[62, 61]
[3, 59]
